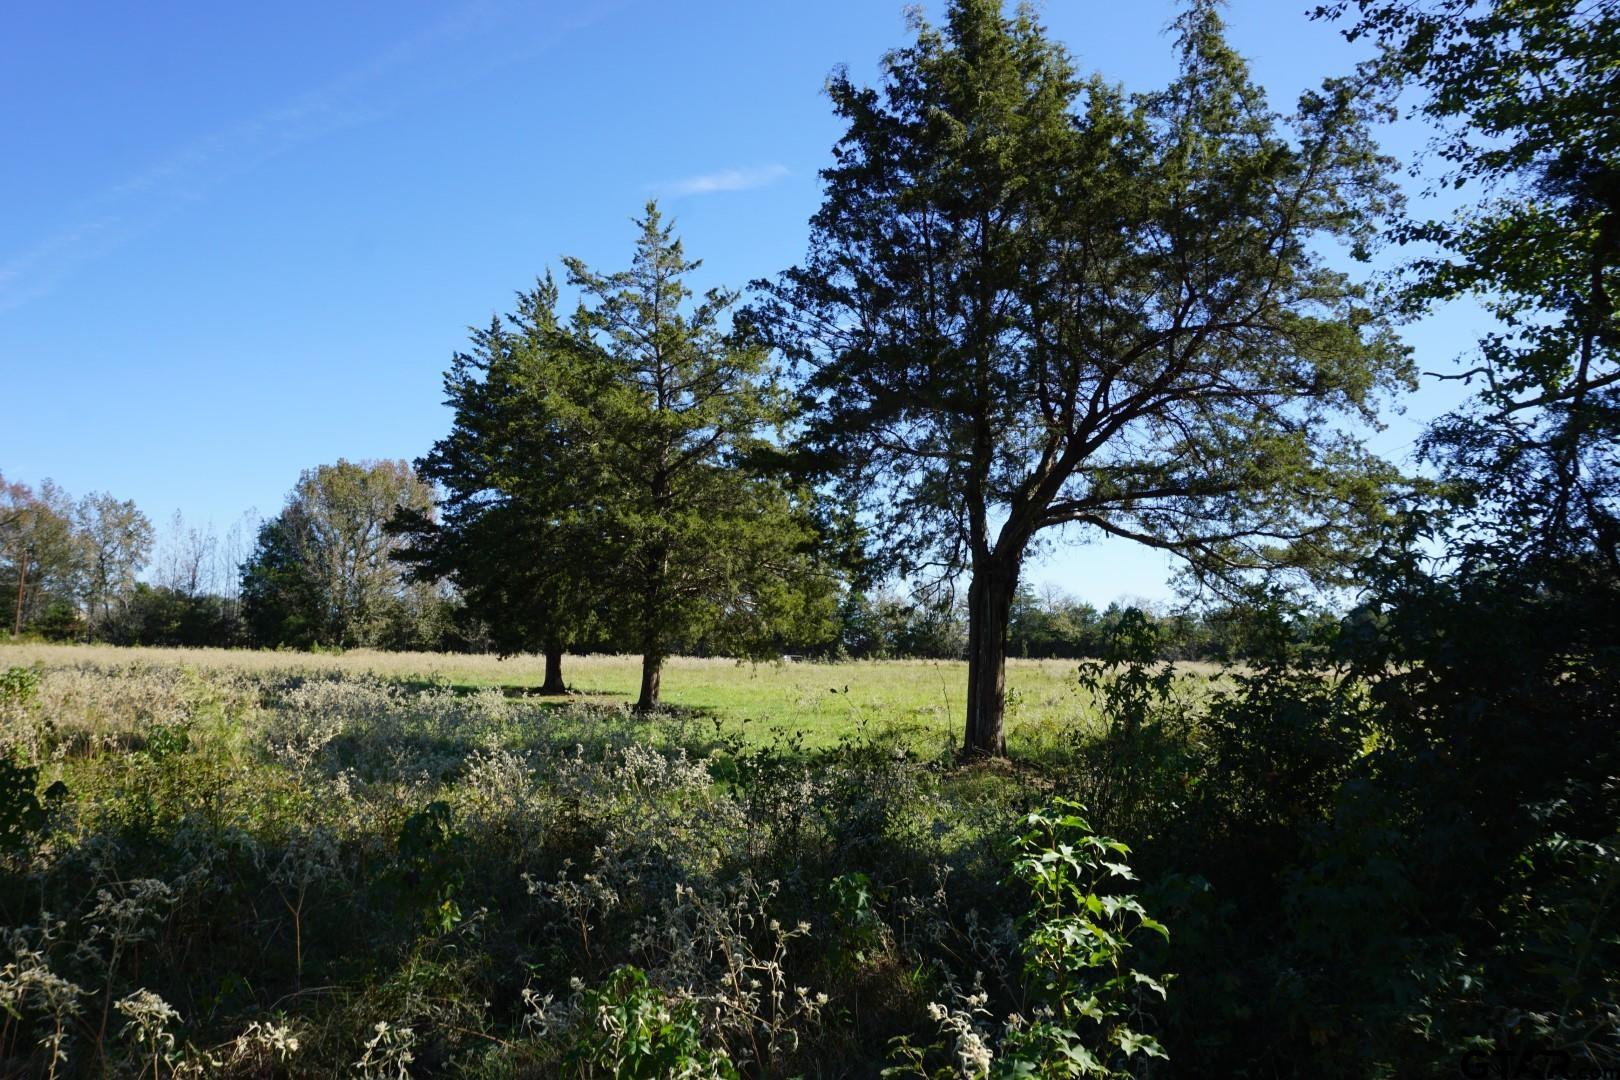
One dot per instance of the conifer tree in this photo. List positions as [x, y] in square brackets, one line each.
[513, 531]
[1032, 301]
[607, 476]
[680, 413]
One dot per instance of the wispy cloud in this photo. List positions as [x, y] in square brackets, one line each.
[725, 180]
[379, 85]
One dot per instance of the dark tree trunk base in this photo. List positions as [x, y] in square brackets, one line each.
[990, 599]
[652, 672]
[554, 677]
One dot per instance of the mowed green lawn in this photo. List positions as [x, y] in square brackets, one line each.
[920, 700]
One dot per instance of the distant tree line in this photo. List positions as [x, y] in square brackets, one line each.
[889, 624]
[93, 568]
[334, 569]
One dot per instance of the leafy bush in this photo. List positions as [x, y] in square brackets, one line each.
[631, 1031]
[1084, 1000]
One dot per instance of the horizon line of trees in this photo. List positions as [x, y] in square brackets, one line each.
[73, 569]
[310, 582]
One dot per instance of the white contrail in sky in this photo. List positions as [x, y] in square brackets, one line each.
[362, 94]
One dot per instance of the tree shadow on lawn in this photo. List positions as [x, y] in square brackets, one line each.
[524, 691]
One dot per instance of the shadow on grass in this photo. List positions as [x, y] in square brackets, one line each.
[524, 691]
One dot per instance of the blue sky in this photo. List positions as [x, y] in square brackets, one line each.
[242, 240]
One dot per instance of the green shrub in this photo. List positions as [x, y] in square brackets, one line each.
[630, 1031]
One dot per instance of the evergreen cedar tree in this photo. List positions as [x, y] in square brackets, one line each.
[1032, 301]
[509, 533]
[612, 475]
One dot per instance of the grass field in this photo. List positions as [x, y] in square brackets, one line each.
[192, 838]
[189, 840]
[923, 699]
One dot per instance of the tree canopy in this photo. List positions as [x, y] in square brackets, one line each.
[611, 477]
[513, 529]
[42, 555]
[680, 413]
[321, 572]
[1032, 301]
[1523, 98]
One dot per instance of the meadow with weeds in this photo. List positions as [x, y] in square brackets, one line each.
[817, 701]
[254, 864]
[273, 864]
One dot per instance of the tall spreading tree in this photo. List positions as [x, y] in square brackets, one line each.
[117, 540]
[1032, 301]
[677, 411]
[322, 571]
[515, 530]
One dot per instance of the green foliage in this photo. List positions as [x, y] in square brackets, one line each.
[22, 812]
[42, 558]
[631, 1031]
[161, 615]
[1123, 676]
[18, 685]
[1081, 998]
[428, 869]
[681, 414]
[1076, 939]
[513, 533]
[1522, 96]
[858, 927]
[1033, 301]
[1284, 734]
[321, 572]
[167, 740]
[117, 539]
[612, 479]
[67, 567]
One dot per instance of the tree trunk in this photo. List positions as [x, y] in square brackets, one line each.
[554, 680]
[652, 618]
[652, 671]
[22, 578]
[990, 599]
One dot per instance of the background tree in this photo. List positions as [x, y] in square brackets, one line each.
[512, 530]
[677, 412]
[1031, 302]
[194, 596]
[117, 541]
[188, 559]
[42, 558]
[159, 615]
[322, 571]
